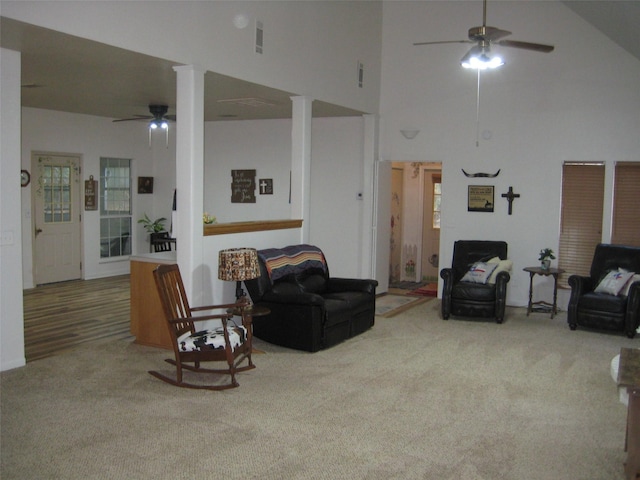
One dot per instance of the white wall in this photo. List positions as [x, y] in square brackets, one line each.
[580, 102]
[260, 145]
[11, 314]
[337, 179]
[310, 47]
[91, 138]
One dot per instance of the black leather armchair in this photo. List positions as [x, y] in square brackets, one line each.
[474, 299]
[309, 310]
[602, 310]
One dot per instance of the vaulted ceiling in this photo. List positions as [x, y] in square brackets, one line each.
[71, 74]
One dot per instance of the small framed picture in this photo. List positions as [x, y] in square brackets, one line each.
[266, 186]
[145, 184]
[480, 198]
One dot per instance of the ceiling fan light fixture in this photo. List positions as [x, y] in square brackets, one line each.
[158, 123]
[479, 58]
[162, 124]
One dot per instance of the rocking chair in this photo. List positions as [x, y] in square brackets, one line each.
[229, 343]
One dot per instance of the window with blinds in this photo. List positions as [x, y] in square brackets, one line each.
[626, 198]
[581, 217]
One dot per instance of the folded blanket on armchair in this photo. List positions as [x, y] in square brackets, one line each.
[281, 262]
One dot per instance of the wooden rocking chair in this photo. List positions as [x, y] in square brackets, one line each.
[230, 343]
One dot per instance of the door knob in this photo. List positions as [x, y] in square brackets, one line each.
[38, 230]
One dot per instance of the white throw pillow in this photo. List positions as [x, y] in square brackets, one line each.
[503, 266]
[613, 282]
[625, 290]
[479, 272]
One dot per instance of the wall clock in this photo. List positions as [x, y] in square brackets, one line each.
[25, 178]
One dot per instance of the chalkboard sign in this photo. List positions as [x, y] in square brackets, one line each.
[243, 186]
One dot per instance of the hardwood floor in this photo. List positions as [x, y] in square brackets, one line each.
[60, 316]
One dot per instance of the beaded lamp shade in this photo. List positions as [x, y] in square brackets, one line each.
[238, 264]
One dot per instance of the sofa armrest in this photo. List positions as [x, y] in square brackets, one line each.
[352, 285]
[293, 299]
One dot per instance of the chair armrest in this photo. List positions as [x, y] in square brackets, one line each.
[445, 305]
[242, 302]
[221, 316]
[580, 285]
[352, 285]
[632, 315]
[447, 275]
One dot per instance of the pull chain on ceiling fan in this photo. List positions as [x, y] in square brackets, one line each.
[480, 57]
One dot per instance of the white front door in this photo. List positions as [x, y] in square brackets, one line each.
[56, 200]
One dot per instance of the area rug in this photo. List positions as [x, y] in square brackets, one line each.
[429, 290]
[390, 305]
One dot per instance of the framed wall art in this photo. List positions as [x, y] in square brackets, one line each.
[480, 198]
[243, 186]
[145, 184]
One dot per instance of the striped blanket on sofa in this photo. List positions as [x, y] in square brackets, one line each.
[293, 259]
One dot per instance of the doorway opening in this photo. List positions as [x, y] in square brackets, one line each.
[415, 225]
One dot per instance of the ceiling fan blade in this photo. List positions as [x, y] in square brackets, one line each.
[170, 117]
[442, 41]
[135, 117]
[536, 47]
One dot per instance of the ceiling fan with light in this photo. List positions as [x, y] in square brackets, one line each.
[157, 120]
[480, 56]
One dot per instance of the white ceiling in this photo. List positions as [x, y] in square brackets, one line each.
[617, 20]
[71, 74]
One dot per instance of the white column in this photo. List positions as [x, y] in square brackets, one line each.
[11, 310]
[189, 177]
[301, 162]
[369, 157]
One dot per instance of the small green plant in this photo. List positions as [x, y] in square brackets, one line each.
[546, 254]
[152, 226]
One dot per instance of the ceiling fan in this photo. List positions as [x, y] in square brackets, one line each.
[157, 120]
[479, 57]
[158, 116]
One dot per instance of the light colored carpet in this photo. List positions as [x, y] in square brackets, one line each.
[390, 305]
[415, 397]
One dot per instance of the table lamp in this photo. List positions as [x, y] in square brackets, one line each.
[238, 264]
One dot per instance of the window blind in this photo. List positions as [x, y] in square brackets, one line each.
[581, 217]
[626, 198]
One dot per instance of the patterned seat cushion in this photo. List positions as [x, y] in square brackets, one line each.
[212, 339]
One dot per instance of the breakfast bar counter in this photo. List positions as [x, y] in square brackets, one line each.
[147, 318]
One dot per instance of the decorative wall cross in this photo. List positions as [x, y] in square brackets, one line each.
[510, 196]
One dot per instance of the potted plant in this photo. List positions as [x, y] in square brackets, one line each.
[152, 226]
[546, 255]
